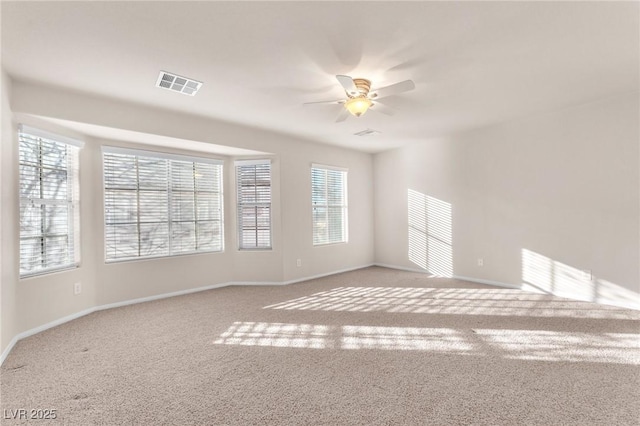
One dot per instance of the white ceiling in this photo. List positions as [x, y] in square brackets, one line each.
[474, 63]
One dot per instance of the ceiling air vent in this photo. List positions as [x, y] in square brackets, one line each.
[367, 132]
[176, 83]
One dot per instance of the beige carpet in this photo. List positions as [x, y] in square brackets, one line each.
[374, 346]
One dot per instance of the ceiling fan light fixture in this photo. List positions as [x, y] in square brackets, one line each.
[358, 106]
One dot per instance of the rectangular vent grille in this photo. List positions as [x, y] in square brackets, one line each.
[367, 132]
[176, 83]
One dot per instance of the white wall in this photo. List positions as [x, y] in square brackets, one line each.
[119, 281]
[46, 298]
[538, 199]
[8, 219]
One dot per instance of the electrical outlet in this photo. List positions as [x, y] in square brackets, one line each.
[77, 288]
[480, 261]
[299, 262]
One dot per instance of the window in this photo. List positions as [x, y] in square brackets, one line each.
[253, 181]
[49, 225]
[160, 205]
[329, 203]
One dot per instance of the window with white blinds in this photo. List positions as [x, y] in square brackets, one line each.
[49, 220]
[160, 205]
[253, 182]
[329, 203]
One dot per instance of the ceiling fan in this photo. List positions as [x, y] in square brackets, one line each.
[360, 97]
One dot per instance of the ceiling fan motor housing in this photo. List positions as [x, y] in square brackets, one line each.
[360, 98]
[363, 86]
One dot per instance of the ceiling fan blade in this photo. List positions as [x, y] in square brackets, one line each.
[348, 84]
[382, 108]
[335, 102]
[344, 114]
[394, 89]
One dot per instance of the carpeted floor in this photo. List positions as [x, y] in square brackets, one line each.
[374, 346]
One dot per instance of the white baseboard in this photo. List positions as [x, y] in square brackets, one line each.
[619, 304]
[84, 312]
[488, 282]
[255, 283]
[88, 311]
[298, 280]
[457, 277]
[402, 268]
[41, 328]
[159, 296]
[10, 346]
[340, 271]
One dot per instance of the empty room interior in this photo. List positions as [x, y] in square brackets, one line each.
[320, 213]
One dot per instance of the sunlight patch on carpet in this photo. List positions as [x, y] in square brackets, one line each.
[529, 345]
[454, 301]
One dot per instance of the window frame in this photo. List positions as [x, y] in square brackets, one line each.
[71, 169]
[240, 204]
[169, 191]
[344, 206]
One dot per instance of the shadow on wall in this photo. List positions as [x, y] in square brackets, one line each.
[543, 274]
[430, 237]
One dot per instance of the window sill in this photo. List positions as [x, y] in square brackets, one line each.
[329, 244]
[145, 258]
[49, 271]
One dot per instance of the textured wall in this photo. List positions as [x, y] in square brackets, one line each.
[540, 200]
